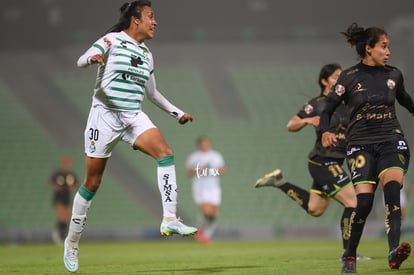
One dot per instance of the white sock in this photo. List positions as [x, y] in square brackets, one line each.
[78, 219]
[167, 185]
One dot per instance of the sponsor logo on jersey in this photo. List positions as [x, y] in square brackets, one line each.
[370, 116]
[308, 109]
[355, 175]
[340, 136]
[341, 179]
[359, 88]
[339, 89]
[133, 78]
[352, 71]
[136, 70]
[390, 84]
[136, 60]
[402, 145]
[352, 150]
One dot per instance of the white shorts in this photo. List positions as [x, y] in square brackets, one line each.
[106, 127]
[206, 193]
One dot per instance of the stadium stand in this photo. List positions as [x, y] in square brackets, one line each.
[28, 156]
[272, 84]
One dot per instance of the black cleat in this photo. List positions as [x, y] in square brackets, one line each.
[399, 255]
[348, 264]
[359, 257]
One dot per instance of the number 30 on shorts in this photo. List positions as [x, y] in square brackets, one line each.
[357, 162]
[93, 134]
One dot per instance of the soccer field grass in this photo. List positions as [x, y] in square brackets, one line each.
[188, 257]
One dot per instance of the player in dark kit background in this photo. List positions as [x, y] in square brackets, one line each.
[377, 151]
[63, 182]
[330, 181]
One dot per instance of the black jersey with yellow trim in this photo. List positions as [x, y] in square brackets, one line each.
[338, 124]
[369, 94]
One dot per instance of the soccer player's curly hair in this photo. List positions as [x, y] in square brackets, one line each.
[359, 37]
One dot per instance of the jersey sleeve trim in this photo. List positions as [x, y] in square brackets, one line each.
[99, 47]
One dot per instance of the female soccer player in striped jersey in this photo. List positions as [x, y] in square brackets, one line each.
[125, 75]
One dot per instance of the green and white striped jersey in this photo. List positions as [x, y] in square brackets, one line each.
[126, 76]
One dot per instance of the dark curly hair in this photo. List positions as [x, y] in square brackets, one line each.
[359, 37]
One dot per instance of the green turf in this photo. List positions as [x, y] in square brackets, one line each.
[188, 257]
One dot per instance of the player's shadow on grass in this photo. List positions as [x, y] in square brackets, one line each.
[202, 270]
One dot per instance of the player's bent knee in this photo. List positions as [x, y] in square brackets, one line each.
[347, 201]
[315, 212]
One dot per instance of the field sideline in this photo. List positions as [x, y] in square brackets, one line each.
[188, 257]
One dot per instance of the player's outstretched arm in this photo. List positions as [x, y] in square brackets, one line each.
[296, 123]
[159, 100]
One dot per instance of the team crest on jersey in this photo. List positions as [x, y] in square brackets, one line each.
[390, 84]
[308, 109]
[92, 147]
[145, 52]
[107, 42]
[339, 89]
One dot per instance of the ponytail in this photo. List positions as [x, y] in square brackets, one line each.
[359, 37]
[127, 10]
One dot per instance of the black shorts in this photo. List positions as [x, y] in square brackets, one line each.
[328, 176]
[63, 199]
[368, 162]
